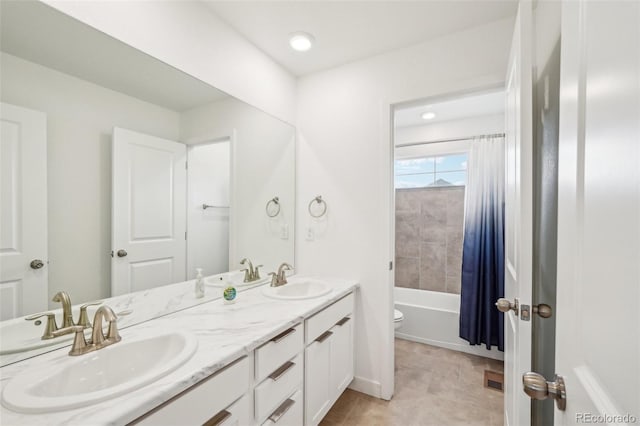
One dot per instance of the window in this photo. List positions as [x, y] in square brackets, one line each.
[440, 170]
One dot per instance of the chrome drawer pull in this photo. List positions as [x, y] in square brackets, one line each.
[218, 419]
[281, 410]
[343, 321]
[324, 336]
[275, 376]
[283, 335]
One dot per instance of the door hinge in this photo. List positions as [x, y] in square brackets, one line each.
[186, 165]
[185, 235]
[391, 266]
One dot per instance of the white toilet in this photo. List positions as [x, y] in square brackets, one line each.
[398, 318]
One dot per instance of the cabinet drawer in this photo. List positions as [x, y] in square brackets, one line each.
[289, 413]
[201, 402]
[275, 388]
[240, 413]
[327, 318]
[278, 350]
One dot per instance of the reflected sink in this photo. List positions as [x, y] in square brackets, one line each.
[235, 278]
[298, 289]
[68, 382]
[20, 336]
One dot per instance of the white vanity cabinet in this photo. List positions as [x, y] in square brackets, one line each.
[328, 358]
[291, 380]
[221, 399]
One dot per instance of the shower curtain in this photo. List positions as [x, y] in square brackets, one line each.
[483, 246]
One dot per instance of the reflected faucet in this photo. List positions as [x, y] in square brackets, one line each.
[67, 315]
[250, 273]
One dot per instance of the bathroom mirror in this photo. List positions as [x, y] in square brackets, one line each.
[121, 175]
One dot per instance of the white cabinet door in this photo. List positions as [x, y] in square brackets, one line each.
[148, 212]
[23, 217]
[317, 388]
[341, 364]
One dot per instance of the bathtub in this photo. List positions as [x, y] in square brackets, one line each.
[432, 317]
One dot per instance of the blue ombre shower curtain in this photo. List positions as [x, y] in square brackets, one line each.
[483, 247]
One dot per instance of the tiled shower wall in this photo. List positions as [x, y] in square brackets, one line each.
[429, 224]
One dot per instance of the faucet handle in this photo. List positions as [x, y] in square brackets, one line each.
[247, 275]
[51, 325]
[274, 279]
[256, 272]
[79, 342]
[83, 320]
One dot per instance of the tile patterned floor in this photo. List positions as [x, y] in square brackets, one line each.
[434, 386]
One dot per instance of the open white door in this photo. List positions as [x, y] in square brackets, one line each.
[23, 217]
[598, 293]
[148, 212]
[518, 218]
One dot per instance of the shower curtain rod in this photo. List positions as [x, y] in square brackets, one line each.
[492, 135]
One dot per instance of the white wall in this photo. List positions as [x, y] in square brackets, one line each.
[463, 128]
[345, 155]
[186, 35]
[208, 182]
[80, 120]
[263, 157]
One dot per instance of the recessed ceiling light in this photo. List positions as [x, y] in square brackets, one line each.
[301, 41]
[429, 115]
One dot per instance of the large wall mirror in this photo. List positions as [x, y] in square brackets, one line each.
[120, 174]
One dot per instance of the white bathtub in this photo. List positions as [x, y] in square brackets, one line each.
[433, 318]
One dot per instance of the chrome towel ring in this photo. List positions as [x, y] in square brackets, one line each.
[273, 211]
[321, 202]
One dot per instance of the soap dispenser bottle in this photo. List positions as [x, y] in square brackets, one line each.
[199, 286]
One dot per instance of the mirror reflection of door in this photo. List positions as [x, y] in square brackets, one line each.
[208, 207]
[148, 222]
[23, 215]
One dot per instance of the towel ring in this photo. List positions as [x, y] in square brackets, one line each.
[318, 200]
[276, 202]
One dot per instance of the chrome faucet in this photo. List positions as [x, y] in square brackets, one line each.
[67, 315]
[279, 278]
[250, 273]
[98, 339]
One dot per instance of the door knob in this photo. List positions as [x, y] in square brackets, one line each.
[537, 387]
[36, 264]
[121, 253]
[505, 306]
[543, 310]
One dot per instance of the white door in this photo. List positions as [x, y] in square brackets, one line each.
[598, 287]
[23, 216]
[209, 182]
[518, 218]
[148, 212]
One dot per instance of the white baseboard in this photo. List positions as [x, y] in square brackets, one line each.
[367, 386]
[473, 350]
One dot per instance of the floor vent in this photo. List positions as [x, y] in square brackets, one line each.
[493, 380]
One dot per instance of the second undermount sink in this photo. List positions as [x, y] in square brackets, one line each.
[68, 382]
[298, 289]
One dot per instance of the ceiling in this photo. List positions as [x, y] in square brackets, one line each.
[454, 109]
[40, 34]
[346, 31]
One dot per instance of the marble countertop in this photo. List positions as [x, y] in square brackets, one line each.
[224, 333]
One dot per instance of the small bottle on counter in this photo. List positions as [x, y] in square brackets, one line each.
[229, 294]
[199, 286]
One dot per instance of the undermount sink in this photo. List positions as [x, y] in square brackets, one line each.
[20, 336]
[298, 289]
[235, 278]
[68, 382]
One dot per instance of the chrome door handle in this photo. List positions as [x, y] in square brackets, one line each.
[537, 387]
[36, 264]
[505, 306]
[121, 253]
